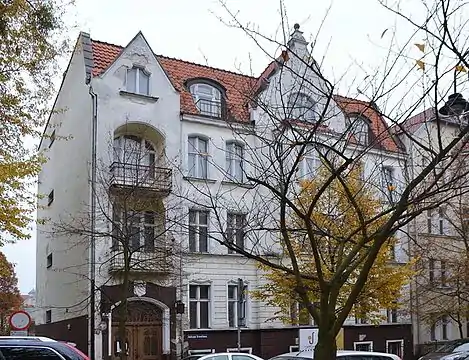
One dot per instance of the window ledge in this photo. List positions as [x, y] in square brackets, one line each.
[190, 178]
[139, 96]
[237, 183]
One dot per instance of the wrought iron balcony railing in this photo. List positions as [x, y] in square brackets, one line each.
[149, 177]
[157, 261]
[211, 108]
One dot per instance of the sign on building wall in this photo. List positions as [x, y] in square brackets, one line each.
[308, 338]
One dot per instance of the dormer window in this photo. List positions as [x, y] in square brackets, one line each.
[301, 107]
[138, 81]
[207, 98]
[360, 128]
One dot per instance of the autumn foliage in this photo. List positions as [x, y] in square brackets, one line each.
[29, 50]
[10, 298]
[338, 238]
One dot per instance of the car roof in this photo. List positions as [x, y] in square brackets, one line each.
[310, 354]
[26, 338]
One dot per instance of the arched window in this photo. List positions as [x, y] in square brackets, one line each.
[302, 107]
[359, 125]
[135, 157]
[208, 99]
[138, 81]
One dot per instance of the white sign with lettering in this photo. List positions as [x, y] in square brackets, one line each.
[308, 339]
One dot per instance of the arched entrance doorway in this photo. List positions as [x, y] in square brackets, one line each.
[144, 331]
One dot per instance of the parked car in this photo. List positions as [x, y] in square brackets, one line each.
[452, 350]
[341, 354]
[229, 356]
[34, 348]
[193, 357]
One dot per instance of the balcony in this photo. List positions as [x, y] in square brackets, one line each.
[129, 176]
[210, 108]
[153, 262]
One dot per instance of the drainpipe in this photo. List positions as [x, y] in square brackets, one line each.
[92, 254]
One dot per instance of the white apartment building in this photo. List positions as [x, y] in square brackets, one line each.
[438, 300]
[118, 99]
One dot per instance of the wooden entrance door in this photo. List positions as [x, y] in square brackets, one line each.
[143, 332]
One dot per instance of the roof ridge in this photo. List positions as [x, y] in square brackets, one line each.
[181, 60]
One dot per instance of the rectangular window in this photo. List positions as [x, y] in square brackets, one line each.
[235, 230]
[50, 198]
[199, 306]
[299, 314]
[444, 328]
[234, 161]
[48, 316]
[431, 271]
[388, 183]
[363, 346]
[233, 305]
[309, 164]
[433, 332]
[49, 261]
[395, 347]
[198, 231]
[392, 316]
[441, 220]
[52, 139]
[197, 157]
[429, 221]
[443, 275]
[138, 81]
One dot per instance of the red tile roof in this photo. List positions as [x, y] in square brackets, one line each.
[380, 129]
[179, 71]
[238, 87]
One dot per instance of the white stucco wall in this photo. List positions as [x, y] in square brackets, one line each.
[66, 172]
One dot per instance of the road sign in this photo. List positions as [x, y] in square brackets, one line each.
[19, 333]
[20, 320]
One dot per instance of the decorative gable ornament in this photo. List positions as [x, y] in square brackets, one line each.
[140, 288]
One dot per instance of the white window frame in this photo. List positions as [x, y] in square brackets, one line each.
[138, 70]
[401, 341]
[142, 224]
[296, 305]
[198, 300]
[441, 221]
[389, 316]
[196, 171]
[214, 101]
[201, 351]
[229, 301]
[235, 228]
[309, 155]
[355, 343]
[232, 158]
[246, 350]
[198, 225]
[302, 107]
[429, 221]
[359, 125]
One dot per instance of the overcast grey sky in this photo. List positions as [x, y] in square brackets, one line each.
[191, 30]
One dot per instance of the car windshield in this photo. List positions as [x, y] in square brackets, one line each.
[450, 347]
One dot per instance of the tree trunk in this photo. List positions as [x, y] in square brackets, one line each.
[326, 348]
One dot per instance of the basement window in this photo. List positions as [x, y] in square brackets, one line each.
[48, 316]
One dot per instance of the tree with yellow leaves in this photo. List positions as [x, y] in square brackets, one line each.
[30, 45]
[329, 249]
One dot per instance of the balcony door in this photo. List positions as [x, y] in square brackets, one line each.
[135, 157]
